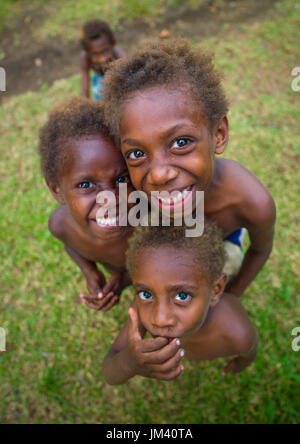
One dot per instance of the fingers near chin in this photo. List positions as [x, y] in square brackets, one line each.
[150, 345]
[168, 352]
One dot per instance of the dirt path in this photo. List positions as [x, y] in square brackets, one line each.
[30, 63]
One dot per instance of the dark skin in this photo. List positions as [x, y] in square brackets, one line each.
[93, 164]
[168, 145]
[186, 314]
[97, 58]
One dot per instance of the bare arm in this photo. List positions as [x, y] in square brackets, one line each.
[241, 338]
[85, 78]
[102, 295]
[57, 227]
[244, 358]
[261, 228]
[115, 366]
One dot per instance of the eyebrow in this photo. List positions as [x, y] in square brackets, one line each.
[182, 286]
[167, 133]
[83, 177]
[142, 287]
[175, 128]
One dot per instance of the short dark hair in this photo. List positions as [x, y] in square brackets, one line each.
[78, 117]
[175, 64]
[207, 250]
[95, 29]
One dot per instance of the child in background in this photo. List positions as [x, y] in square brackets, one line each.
[78, 160]
[167, 110]
[99, 49]
[179, 300]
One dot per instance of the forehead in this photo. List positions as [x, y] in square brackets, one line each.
[166, 266]
[93, 153]
[99, 44]
[160, 108]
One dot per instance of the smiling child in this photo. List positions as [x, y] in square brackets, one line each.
[99, 49]
[167, 109]
[78, 160]
[179, 287]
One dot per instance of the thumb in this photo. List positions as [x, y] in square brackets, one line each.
[134, 326]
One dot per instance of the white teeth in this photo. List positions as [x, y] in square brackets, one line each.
[177, 198]
[109, 221]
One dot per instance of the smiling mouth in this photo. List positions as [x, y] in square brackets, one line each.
[108, 223]
[176, 199]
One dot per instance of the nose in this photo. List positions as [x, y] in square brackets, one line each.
[161, 174]
[163, 317]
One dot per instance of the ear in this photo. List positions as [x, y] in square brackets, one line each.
[218, 289]
[56, 192]
[221, 135]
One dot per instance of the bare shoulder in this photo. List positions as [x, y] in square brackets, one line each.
[235, 326]
[58, 222]
[254, 202]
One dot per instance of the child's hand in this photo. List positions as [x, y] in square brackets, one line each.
[116, 283]
[154, 358]
[100, 296]
[236, 364]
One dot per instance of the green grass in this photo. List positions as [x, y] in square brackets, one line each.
[64, 18]
[51, 372]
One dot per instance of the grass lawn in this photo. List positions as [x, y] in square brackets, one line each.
[51, 372]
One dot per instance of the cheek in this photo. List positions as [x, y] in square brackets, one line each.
[144, 314]
[77, 206]
[203, 163]
[196, 316]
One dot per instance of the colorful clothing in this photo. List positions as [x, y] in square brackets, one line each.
[237, 236]
[97, 86]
